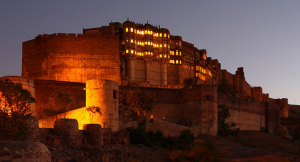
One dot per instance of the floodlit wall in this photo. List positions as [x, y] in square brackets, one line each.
[70, 57]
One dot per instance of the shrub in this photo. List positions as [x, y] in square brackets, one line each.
[140, 136]
[224, 129]
[15, 105]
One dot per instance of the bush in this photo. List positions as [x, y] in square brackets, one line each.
[140, 136]
[224, 129]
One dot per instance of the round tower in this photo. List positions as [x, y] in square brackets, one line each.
[105, 95]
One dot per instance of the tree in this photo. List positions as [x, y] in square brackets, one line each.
[15, 105]
[135, 104]
[224, 129]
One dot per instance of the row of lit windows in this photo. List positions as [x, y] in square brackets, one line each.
[204, 71]
[201, 69]
[147, 54]
[175, 61]
[146, 43]
[202, 77]
[163, 56]
[172, 53]
[141, 32]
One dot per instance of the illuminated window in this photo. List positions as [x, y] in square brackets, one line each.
[176, 61]
[126, 40]
[165, 56]
[126, 29]
[127, 51]
[146, 43]
[165, 35]
[180, 61]
[142, 43]
[138, 31]
[150, 32]
[176, 52]
[131, 29]
[151, 43]
[134, 30]
[168, 36]
[179, 53]
[160, 34]
[160, 55]
[171, 52]
[131, 40]
[168, 56]
[151, 53]
[165, 45]
[131, 51]
[160, 45]
[146, 31]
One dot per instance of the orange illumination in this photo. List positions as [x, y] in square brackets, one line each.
[126, 29]
[131, 29]
[151, 116]
[165, 35]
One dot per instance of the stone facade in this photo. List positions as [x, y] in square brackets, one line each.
[95, 66]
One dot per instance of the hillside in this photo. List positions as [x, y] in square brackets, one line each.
[248, 146]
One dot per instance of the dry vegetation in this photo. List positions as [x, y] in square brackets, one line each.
[248, 146]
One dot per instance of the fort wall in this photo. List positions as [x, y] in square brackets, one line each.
[81, 115]
[248, 114]
[74, 58]
[45, 88]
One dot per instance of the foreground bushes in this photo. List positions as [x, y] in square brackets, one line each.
[150, 138]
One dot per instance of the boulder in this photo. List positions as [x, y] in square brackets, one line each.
[24, 151]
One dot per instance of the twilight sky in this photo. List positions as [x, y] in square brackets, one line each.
[261, 36]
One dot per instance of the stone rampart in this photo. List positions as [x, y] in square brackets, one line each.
[248, 114]
[45, 88]
[71, 57]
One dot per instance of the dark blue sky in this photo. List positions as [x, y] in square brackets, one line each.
[261, 36]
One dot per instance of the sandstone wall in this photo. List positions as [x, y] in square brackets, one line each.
[174, 74]
[71, 57]
[45, 88]
[81, 115]
[248, 114]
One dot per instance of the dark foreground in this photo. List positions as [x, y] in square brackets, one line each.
[248, 146]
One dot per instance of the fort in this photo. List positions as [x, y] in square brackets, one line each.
[95, 66]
